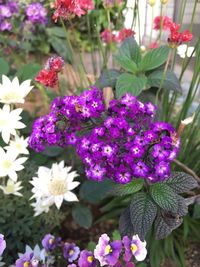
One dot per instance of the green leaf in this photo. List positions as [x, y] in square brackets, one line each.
[127, 189]
[170, 82]
[94, 192]
[82, 216]
[196, 212]
[91, 246]
[181, 182]
[116, 235]
[154, 58]
[131, 50]
[164, 196]
[61, 47]
[28, 71]
[4, 67]
[56, 31]
[53, 151]
[130, 83]
[126, 63]
[108, 78]
[125, 224]
[143, 212]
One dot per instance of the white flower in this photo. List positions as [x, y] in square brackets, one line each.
[12, 92]
[39, 207]
[188, 120]
[183, 51]
[12, 188]
[19, 145]
[10, 122]
[54, 185]
[9, 164]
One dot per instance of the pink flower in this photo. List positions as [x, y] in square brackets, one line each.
[166, 23]
[107, 36]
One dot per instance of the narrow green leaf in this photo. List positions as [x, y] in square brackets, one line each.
[170, 82]
[127, 189]
[82, 216]
[127, 83]
[164, 196]
[154, 58]
[143, 212]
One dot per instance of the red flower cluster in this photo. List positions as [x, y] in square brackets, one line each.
[68, 9]
[108, 36]
[166, 23]
[176, 38]
[49, 75]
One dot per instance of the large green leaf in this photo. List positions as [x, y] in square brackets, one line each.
[164, 196]
[56, 31]
[127, 189]
[125, 224]
[181, 182]
[126, 63]
[61, 47]
[170, 81]
[94, 192]
[4, 67]
[154, 58]
[28, 71]
[108, 78]
[131, 49]
[143, 212]
[82, 216]
[130, 83]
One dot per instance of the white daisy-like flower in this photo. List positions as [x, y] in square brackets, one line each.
[39, 207]
[9, 164]
[19, 145]
[10, 122]
[11, 92]
[183, 51]
[12, 188]
[54, 185]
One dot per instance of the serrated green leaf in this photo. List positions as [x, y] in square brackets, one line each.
[125, 224]
[126, 63]
[82, 216]
[170, 81]
[127, 189]
[4, 67]
[127, 83]
[181, 182]
[143, 212]
[154, 58]
[131, 49]
[164, 196]
[94, 192]
[108, 78]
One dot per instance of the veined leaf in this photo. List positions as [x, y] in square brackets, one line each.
[82, 216]
[126, 63]
[127, 189]
[131, 49]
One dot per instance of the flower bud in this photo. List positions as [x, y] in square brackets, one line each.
[163, 2]
[151, 2]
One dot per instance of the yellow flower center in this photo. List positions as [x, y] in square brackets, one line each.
[26, 263]
[108, 249]
[133, 248]
[71, 252]
[11, 95]
[18, 145]
[57, 187]
[90, 259]
[10, 188]
[7, 164]
[51, 240]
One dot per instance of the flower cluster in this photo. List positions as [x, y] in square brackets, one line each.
[68, 9]
[7, 10]
[112, 3]
[108, 36]
[176, 38]
[49, 75]
[106, 253]
[2, 244]
[36, 13]
[123, 141]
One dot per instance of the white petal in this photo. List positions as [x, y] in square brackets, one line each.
[72, 185]
[69, 196]
[58, 201]
[13, 175]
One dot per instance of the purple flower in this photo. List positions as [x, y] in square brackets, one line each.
[72, 265]
[25, 260]
[36, 13]
[70, 252]
[5, 26]
[162, 169]
[49, 242]
[107, 253]
[86, 259]
[137, 151]
[134, 247]
[140, 169]
[5, 11]
[159, 152]
[2, 244]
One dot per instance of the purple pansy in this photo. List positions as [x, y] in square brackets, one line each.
[25, 260]
[106, 252]
[86, 259]
[71, 252]
[134, 247]
[49, 242]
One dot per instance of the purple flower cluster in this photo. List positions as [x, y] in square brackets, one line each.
[7, 10]
[36, 13]
[110, 253]
[121, 143]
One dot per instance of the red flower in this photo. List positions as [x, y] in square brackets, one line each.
[47, 78]
[125, 33]
[186, 36]
[55, 63]
[154, 45]
[69, 8]
[166, 23]
[176, 38]
[107, 36]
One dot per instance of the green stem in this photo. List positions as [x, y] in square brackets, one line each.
[139, 32]
[152, 19]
